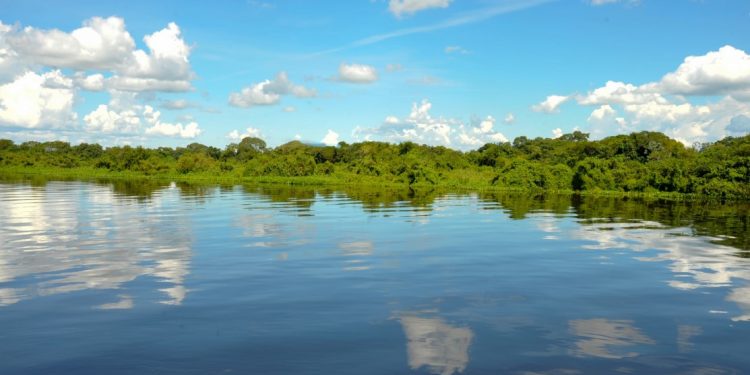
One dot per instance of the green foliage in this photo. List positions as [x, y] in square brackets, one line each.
[644, 162]
[6, 144]
[194, 162]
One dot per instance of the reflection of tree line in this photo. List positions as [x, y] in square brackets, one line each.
[432, 343]
[731, 222]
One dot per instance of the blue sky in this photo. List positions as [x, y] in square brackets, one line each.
[458, 73]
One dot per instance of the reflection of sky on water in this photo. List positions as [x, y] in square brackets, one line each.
[356, 254]
[695, 262]
[605, 338]
[439, 347]
[466, 283]
[75, 237]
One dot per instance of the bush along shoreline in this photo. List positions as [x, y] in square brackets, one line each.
[644, 163]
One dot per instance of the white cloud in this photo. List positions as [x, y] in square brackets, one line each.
[509, 118]
[481, 133]
[621, 93]
[269, 92]
[357, 73]
[235, 135]
[254, 95]
[725, 71]
[93, 82]
[668, 105]
[10, 66]
[189, 130]
[101, 55]
[557, 133]
[105, 120]
[165, 68]
[38, 101]
[602, 112]
[124, 117]
[331, 138]
[407, 7]
[102, 43]
[289, 109]
[551, 104]
[419, 126]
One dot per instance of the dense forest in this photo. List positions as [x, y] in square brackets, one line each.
[644, 162]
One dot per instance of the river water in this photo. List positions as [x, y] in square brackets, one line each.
[165, 278]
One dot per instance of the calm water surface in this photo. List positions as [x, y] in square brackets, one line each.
[137, 278]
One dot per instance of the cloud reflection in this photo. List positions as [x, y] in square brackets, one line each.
[78, 236]
[441, 348]
[606, 338]
[695, 262]
[356, 253]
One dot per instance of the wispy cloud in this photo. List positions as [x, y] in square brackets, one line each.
[464, 19]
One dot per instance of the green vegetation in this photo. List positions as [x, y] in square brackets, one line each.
[645, 163]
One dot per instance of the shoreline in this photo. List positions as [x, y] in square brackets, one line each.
[330, 181]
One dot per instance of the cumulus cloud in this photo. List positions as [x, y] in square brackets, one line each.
[165, 68]
[100, 55]
[421, 127]
[158, 127]
[269, 92]
[721, 78]
[93, 82]
[726, 71]
[557, 133]
[602, 112]
[104, 44]
[38, 101]
[9, 60]
[123, 116]
[331, 138]
[509, 118]
[400, 8]
[357, 73]
[236, 136]
[105, 120]
[551, 104]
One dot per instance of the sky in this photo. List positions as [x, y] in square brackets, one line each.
[457, 73]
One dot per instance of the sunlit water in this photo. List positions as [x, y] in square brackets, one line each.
[100, 278]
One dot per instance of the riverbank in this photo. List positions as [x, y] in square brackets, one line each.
[327, 181]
